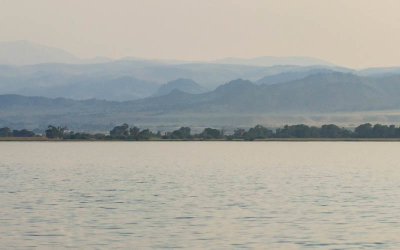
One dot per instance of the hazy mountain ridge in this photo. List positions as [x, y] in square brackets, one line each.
[72, 77]
[330, 92]
[105, 93]
[24, 52]
[317, 93]
[269, 61]
[291, 76]
[47, 79]
[122, 88]
[185, 85]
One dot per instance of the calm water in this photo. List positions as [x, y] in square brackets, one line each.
[219, 195]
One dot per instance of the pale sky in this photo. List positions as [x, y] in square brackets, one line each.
[353, 33]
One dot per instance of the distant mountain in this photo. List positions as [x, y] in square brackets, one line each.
[32, 69]
[329, 92]
[40, 78]
[321, 93]
[291, 76]
[123, 88]
[25, 52]
[379, 72]
[28, 53]
[184, 85]
[268, 61]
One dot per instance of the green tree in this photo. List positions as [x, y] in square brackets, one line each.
[5, 132]
[134, 132]
[258, 132]
[298, 131]
[55, 132]
[145, 134]
[239, 133]
[380, 131]
[364, 130]
[211, 133]
[182, 133]
[120, 131]
[330, 131]
[23, 133]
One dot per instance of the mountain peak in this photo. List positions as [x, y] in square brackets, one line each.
[181, 84]
[22, 52]
[236, 84]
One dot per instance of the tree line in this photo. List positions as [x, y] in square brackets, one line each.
[7, 132]
[125, 132]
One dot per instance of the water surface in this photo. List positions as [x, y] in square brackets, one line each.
[219, 195]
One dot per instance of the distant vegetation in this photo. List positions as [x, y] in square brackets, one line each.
[7, 132]
[125, 132]
[184, 85]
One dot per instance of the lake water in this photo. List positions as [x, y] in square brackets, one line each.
[202, 195]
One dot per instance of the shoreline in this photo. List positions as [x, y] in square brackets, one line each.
[44, 139]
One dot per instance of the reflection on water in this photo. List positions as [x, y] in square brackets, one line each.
[276, 195]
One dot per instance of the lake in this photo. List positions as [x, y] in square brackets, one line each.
[202, 195]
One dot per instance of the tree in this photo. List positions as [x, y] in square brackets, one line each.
[304, 131]
[364, 130]
[380, 131]
[298, 131]
[330, 131]
[282, 132]
[144, 135]
[120, 131]
[99, 136]
[239, 133]
[5, 132]
[134, 132]
[258, 132]
[182, 133]
[23, 133]
[210, 133]
[55, 132]
[77, 136]
[337, 132]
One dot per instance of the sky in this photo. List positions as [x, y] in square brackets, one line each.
[352, 33]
